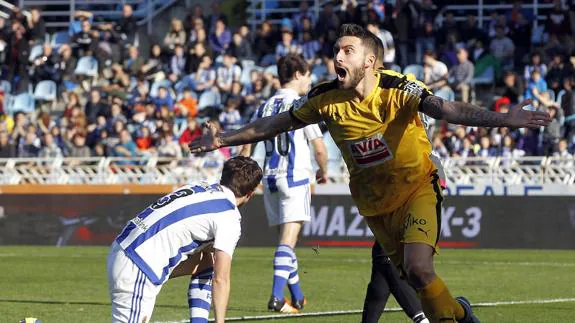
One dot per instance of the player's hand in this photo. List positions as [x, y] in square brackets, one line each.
[208, 141]
[517, 117]
[321, 177]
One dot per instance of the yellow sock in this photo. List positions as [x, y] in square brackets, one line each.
[438, 304]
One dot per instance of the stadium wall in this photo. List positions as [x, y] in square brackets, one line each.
[493, 217]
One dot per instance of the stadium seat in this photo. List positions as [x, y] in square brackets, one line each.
[60, 38]
[23, 102]
[395, 68]
[446, 93]
[414, 69]
[88, 66]
[158, 84]
[209, 99]
[46, 90]
[35, 52]
[267, 60]
[6, 87]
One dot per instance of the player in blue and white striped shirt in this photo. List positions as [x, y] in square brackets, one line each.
[193, 230]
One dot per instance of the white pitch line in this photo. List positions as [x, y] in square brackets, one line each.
[393, 309]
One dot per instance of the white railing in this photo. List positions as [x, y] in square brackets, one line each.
[154, 170]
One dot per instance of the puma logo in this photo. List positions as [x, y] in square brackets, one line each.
[420, 229]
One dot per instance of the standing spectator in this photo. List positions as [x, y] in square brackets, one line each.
[67, 64]
[287, 45]
[471, 34]
[552, 132]
[198, 24]
[36, 27]
[228, 73]
[192, 18]
[327, 20]
[310, 48]
[568, 107]
[127, 25]
[435, 72]
[17, 57]
[7, 149]
[205, 77]
[50, 149]
[216, 15]
[220, 38]
[241, 48]
[536, 64]
[85, 42]
[176, 35]
[558, 69]
[178, 62]
[502, 47]
[425, 32]
[461, 75]
[299, 17]
[558, 22]
[520, 35]
[134, 63]
[264, 40]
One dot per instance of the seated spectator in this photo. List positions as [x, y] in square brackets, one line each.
[513, 87]
[67, 63]
[77, 147]
[230, 118]
[558, 69]
[435, 72]
[134, 63]
[536, 87]
[49, 148]
[96, 107]
[228, 73]
[144, 140]
[287, 45]
[552, 132]
[126, 147]
[310, 47]
[264, 41]
[304, 14]
[164, 98]
[562, 151]
[169, 147]
[510, 152]
[193, 17]
[502, 48]
[178, 62]
[205, 77]
[193, 29]
[85, 42]
[7, 148]
[461, 75]
[439, 147]
[192, 132]
[187, 105]
[558, 21]
[221, 37]
[30, 147]
[485, 149]
[195, 57]
[241, 48]
[536, 64]
[175, 36]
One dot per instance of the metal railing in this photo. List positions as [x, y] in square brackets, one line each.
[159, 170]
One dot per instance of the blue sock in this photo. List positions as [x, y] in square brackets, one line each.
[200, 296]
[282, 269]
[293, 281]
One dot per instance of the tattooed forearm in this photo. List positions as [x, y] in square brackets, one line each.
[462, 113]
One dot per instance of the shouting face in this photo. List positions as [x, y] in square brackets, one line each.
[350, 61]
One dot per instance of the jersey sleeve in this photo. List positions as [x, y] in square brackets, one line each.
[312, 132]
[227, 233]
[411, 94]
[306, 110]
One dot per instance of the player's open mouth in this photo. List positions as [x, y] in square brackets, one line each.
[341, 73]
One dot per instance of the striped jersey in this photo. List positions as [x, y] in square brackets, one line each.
[179, 224]
[288, 154]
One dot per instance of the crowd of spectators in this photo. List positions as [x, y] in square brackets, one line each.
[151, 101]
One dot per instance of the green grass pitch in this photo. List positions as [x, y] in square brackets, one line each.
[69, 284]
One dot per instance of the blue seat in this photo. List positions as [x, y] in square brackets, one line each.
[60, 38]
[209, 99]
[267, 60]
[395, 68]
[157, 85]
[87, 66]
[35, 52]
[446, 93]
[6, 86]
[416, 70]
[46, 90]
[272, 69]
[23, 102]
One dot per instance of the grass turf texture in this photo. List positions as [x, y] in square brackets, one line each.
[69, 284]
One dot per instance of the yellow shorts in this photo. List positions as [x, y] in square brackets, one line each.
[418, 221]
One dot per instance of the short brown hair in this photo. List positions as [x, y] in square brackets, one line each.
[288, 65]
[367, 40]
[380, 51]
[241, 175]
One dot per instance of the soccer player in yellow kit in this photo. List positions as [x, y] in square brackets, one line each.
[373, 118]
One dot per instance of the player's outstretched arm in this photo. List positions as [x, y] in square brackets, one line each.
[261, 129]
[470, 115]
[221, 284]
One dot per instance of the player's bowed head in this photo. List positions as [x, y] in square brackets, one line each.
[241, 175]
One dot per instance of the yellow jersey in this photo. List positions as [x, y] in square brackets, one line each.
[382, 139]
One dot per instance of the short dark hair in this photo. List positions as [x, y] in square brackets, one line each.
[288, 65]
[380, 50]
[358, 31]
[241, 175]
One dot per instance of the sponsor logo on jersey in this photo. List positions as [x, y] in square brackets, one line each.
[370, 151]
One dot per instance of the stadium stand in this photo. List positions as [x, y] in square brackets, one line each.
[119, 112]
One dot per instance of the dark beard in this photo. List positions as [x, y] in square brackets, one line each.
[355, 76]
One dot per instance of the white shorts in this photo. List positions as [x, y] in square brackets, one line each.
[287, 204]
[133, 295]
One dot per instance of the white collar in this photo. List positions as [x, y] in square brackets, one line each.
[284, 90]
